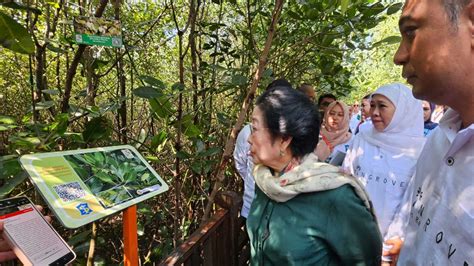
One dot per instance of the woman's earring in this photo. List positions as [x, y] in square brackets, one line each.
[282, 153]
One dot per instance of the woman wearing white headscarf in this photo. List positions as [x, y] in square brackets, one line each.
[334, 135]
[383, 155]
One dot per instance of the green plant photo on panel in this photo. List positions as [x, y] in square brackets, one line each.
[113, 177]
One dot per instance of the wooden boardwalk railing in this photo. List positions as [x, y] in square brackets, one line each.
[220, 241]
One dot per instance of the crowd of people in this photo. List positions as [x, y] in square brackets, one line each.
[389, 182]
[378, 163]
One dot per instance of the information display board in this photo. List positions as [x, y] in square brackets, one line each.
[97, 31]
[82, 186]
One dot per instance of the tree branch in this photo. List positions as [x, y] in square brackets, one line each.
[245, 106]
[71, 72]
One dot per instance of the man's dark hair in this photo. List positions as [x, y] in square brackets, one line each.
[366, 97]
[326, 95]
[305, 87]
[279, 82]
[289, 113]
[453, 8]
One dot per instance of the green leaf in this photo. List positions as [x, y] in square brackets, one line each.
[153, 81]
[223, 119]
[105, 178]
[122, 195]
[373, 10]
[96, 129]
[147, 92]
[183, 155]
[388, 40]
[99, 261]
[60, 124]
[24, 141]
[51, 92]
[293, 14]
[82, 248]
[53, 4]
[130, 176]
[44, 105]
[145, 177]
[208, 46]
[78, 238]
[344, 5]
[350, 45]
[141, 138]
[7, 127]
[9, 166]
[14, 5]
[161, 107]
[7, 120]
[152, 158]
[55, 49]
[99, 63]
[207, 167]
[188, 126]
[158, 140]
[14, 36]
[99, 157]
[394, 8]
[191, 130]
[145, 209]
[196, 167]
[178, 86]
[239, 80]
[11, 184]
[210, 152]
[213, 26]
[140, 229]
[267, 73]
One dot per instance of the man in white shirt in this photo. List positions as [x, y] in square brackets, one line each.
[364, 113]
[244, 165]
[436, 219]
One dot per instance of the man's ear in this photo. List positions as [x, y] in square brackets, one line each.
[470, 14]
[285, 142]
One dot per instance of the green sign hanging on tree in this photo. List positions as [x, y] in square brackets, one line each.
[98, 31]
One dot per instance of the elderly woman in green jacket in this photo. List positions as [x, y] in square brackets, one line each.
[304, 212]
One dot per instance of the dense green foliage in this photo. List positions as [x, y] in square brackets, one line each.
[374, 68]
[173, 90]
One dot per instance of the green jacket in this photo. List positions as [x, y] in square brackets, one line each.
[331, 227]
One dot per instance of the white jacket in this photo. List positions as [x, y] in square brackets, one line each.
[439, 204]
[385, 160]
[244, 165]
[384, 174]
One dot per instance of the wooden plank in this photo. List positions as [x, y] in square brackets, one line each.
[226, 252]
[221, 241]
[195, 258]
[233, 202]
[185, 250]
[209, 251]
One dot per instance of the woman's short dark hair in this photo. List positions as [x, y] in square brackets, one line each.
[289, 113]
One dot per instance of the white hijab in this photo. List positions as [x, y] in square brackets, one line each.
[404, 134]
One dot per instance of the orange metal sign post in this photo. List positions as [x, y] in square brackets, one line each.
[130, 238]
